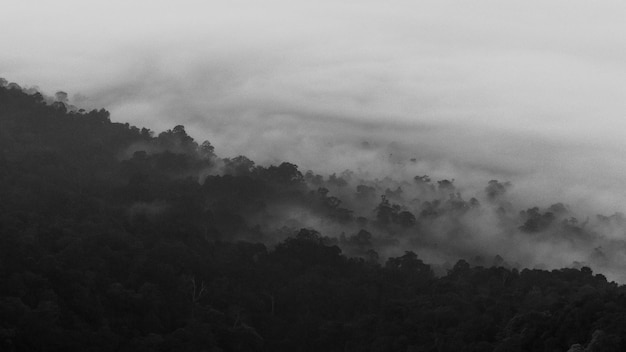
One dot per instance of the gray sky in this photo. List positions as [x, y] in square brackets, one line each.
[529, 91]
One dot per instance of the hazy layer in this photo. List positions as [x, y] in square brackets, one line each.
[529, 92]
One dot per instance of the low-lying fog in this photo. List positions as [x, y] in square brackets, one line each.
[531, 93]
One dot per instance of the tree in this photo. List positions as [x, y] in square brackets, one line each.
[361, 239]
[207, 151]
[422, 179]
[384, 211]
[406, 219]
[535, 221]
[446, 185]
[460, 269]
[407, 262]
[364, 192]
[336, 181]
[177, 140]
[238, 166]
[61, 96]
[496, 189]
[308, 249]
[286, 173]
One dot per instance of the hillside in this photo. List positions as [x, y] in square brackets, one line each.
[116, 238]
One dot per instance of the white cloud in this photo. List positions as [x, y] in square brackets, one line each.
[532, 91]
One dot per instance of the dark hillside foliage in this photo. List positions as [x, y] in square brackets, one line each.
[113, 238]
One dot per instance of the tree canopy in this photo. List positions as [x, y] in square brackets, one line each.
[114, 239]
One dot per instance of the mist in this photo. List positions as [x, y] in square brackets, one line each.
[533, 94]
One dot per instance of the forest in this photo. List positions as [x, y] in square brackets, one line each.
[118, 238]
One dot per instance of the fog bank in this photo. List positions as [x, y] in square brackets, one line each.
[531, 93]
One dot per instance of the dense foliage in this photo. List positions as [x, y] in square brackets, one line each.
[113, 239]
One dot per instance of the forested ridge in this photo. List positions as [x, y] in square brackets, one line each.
[115, 238]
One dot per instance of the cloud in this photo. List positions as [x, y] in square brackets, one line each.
[531, 92]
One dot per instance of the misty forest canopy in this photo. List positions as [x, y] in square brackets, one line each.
[113, 237]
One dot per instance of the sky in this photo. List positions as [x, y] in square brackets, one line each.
[532, 92]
